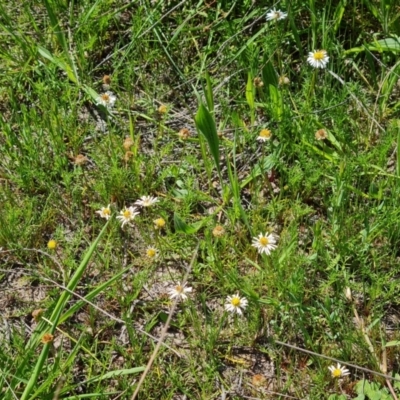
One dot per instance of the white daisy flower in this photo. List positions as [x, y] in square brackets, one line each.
[105, 212]
[179, 291]
[338, 371]
[265, 243]
[275, 15]
[127, 214]
[318, 58]
[235, 304]
[146, 201]
[107, 99]
[151, 252]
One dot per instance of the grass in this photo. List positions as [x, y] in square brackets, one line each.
[326, 294]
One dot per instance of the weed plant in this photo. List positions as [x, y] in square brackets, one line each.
[199, 200]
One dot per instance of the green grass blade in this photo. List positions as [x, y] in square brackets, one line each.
[56, 26]
[209, 93]
[250, 95]
[114, 374]
[206, 125]
[59, 62]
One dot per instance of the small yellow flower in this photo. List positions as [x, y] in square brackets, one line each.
[47, 338]
[159, 223]
[162, 109]
[264, 135]
[52, 244]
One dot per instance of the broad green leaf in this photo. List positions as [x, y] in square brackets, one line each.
[270, 76]
[182, 226]
[388, 44]
[250, 92]
[277, 102]
[392, 343]
[206, 125]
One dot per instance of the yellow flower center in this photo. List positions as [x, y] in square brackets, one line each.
[105, 97]
[159, 223]
[162, 109]
[106, 211]
[52, 244]
[127, 214]
[235, 301]
[179, 288]
[265, 133]
[319, 55]
[337, 373]
[264, 241]
[151, 252]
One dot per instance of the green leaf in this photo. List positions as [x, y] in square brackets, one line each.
[113, 374]
[209, 93]
[392, 343]
[56, 26]
[182, 226]
[270, 77]
[59, 63]
[267, 164]
[388, 44]
[277, 102]
[206, 125]
[250, 92]
[91, 92]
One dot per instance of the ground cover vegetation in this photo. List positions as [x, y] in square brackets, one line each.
[199, 200]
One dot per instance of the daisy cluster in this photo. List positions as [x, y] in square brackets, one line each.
[128, 214]
[235, 304]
